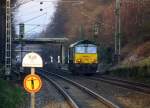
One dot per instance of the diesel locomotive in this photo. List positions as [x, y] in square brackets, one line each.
[83, 57]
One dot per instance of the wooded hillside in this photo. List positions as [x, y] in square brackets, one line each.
[76, 22]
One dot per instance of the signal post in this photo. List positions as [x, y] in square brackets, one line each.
[32, 82]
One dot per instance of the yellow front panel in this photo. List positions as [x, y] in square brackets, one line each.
[86, 58]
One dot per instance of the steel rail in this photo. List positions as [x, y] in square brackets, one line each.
[126, 81]
[92, 93]
[125, 84]
[64, 93]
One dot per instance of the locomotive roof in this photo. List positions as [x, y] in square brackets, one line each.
[82, 42]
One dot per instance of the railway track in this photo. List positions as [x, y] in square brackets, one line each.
[123, 83]
[140, 87]
[69, 100]
[77, 95]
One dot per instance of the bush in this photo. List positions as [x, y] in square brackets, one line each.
[132, 72]
[10, 95]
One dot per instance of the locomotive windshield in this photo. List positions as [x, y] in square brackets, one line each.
[86, 48]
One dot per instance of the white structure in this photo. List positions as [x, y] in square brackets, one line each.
[32, 60]
[58, 59]
[51, 58]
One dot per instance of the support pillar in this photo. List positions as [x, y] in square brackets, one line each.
[21, 36]
[62, 54]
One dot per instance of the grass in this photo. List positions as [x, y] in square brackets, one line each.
[139, 72]
[11, 96]
[144, 62]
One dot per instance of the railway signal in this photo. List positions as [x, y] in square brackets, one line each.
[21, 30]
[32, 83]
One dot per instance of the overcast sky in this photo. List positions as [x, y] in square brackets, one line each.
[34, 19]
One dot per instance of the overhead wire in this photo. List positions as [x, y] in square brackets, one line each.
[55, 1]
[34, 18]
[35, 24]
[19, 4]
[45, 19]
[32, 29]
[32, 12]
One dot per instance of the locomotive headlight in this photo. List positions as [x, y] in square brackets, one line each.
[78, 61]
